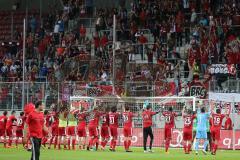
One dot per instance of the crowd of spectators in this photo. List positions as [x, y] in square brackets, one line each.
[193, 33]
[187, 37]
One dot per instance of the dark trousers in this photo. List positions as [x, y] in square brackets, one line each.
[210, 141]
[36, 145]
[147, 131]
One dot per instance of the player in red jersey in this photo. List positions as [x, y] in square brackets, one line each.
[11, 121]
[47, 124]
[92, 128]
[81, 128]
[215, 129]
[147, 127]
[20, 126]
[127, 128]
[113, 125]
[28, 108]
[54, 122]
[3, 123]
[105, 128]
[228, 125]
[187, 130]
[169, 124]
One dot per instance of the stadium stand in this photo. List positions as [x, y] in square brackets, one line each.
[172, 45]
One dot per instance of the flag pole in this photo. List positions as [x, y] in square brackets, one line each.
[114, 52]
[23, 62]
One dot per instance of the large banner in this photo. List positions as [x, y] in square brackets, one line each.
[198, 91]
[226, 141]
[222, 69]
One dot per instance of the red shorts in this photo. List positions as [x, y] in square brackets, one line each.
[19, 133]
[187, 134]
[167, 133]
[104, 132]
[215, 134]
[2, 132]
[93, 131]
[71, 131]
[82, 132]
[61, 131]
[114, 131]
[9, 132]
[54, 130]
[127, 132]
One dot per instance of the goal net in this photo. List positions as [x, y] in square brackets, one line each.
[137, 105]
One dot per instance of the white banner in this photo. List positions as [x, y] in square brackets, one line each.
[222, 69]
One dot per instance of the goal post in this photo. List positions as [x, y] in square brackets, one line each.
[135, 103]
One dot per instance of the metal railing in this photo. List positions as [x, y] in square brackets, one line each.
[87, 22]
[224, 86]
[11, 97]
[17, 79]
[146, 32]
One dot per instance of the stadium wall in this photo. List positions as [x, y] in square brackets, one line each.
[226, 141]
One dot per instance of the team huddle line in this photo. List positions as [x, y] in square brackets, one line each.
[65, 125]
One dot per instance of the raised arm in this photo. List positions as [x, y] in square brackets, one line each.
[183, 111]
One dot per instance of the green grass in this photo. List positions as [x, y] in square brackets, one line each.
[175, 154]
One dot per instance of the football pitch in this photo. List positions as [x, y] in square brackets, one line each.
[137, 154]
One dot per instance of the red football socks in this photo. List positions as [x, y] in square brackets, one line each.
[215, 148]
[16, 142]
[73, 144]
[189, 148]
[129, 143]
[111, 144]
[9, 142]
[55, 142]
[91, 142]
[51, 140]
[69, 143]
[95, 140]
[167, 143]
[185, 148]
[125, 145]
[114, 144]
[103, 143]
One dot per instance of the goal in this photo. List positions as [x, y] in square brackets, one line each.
[136, 104]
